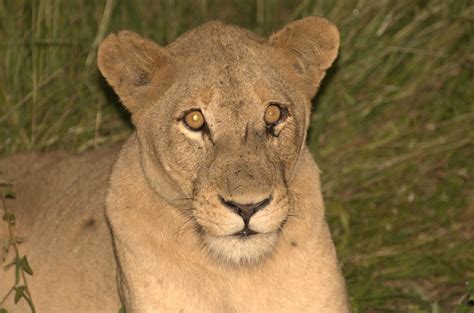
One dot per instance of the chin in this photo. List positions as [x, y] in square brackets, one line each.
[241, 250]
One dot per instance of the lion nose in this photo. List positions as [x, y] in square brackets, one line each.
[246, 211]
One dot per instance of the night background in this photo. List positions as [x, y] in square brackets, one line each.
[392, 126]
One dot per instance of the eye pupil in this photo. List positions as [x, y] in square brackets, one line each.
[273, 114]
[194, 120]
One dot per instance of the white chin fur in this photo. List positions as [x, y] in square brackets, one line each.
[237, 250]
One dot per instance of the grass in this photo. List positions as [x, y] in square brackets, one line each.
[392, 127]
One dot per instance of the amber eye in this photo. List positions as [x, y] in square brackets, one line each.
[194, 120]
[273, 114]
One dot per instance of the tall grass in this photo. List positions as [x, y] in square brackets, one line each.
[392, 127]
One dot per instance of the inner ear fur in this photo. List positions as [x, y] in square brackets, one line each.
[313, 44]
[129, 62]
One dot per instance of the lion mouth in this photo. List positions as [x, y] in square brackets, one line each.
[245, 232]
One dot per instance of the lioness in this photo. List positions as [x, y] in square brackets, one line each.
[213, 203]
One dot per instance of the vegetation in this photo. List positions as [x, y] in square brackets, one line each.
[19, 290]
[392, 129]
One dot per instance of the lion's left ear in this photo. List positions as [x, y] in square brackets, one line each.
[313, 44]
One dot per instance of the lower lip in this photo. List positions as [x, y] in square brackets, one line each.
[245, 234]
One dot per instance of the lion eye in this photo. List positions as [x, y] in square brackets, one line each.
[194, 120]
[273, 114]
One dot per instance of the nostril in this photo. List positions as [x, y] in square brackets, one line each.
[229, 204]
[263, 203]
[245, 210]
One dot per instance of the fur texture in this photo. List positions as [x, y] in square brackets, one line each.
[175, 234]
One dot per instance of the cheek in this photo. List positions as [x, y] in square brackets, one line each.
[289, 143]
[184, 156]
[218, 221]
[269, 220]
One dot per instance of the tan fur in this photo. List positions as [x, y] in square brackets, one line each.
[59, 210]
[173, 237]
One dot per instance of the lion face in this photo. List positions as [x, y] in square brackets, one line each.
[221, 117]
[233, 163]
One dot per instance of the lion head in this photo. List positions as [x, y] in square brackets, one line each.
[221, 117]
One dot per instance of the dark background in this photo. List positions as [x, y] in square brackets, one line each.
[392, 127]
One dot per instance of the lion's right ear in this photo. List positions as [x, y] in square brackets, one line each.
[129, 63]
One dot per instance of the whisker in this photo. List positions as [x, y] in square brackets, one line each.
[283, 234]
[182, 200]
[189, 224]
[294, 215]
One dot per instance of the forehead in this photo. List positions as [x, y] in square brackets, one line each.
[227, 85]
[240, 74]
[226, 54]
[227, 66]
[214, 39]
[231, 62]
